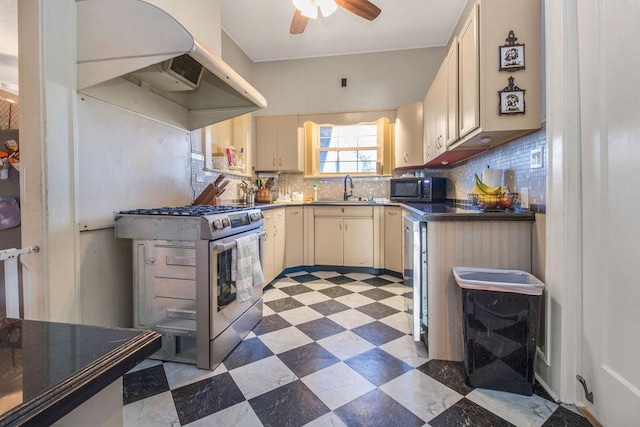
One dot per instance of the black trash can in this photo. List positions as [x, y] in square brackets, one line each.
[501, 318]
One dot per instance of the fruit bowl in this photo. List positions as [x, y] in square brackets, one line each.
[494, 202]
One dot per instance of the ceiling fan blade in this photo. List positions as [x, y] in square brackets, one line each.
[298, 23]
[362, 8]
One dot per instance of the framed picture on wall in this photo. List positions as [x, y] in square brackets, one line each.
[511, 99]
[511, 54]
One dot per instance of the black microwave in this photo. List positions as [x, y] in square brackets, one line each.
[425, 189]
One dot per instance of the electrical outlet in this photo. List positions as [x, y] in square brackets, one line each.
[524, 197]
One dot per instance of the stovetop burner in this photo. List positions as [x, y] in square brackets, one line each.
[187, 210]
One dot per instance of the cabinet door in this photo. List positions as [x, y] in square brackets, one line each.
[358, 242]
[469, 79]
[451, 130]
[435, 115]
[279, 236]
[289, 153]
[267, 243]
[409, 130]
[328, 241]
[429, 123]
[393, 239]
[266, 144]
[294, 242]
[440, 110]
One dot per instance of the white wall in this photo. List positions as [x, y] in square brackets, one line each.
[71, 280]
[236, 58]
[374, 81]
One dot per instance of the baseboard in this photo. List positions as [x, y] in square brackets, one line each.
[340, 269]
[589, 416]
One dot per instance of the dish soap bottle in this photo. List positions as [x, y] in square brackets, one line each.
[315, 192]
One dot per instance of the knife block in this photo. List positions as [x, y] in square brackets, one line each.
[263, 195]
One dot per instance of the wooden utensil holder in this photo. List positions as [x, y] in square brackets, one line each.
[263, 195]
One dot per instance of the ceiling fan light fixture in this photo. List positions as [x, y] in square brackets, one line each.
[327, 7]
[308, 8]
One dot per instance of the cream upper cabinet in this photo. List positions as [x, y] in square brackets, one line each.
[468, 68]
[435, 111]
[278, 147]
[468, 83]
[452, 126]
[480, 79]
[409, 135]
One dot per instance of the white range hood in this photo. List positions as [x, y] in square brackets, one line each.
[136, 56]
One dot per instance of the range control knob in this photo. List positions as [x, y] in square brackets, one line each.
[225, 222]
[217, 224]
[254, 216]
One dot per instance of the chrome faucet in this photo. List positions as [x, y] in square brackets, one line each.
[347, 195]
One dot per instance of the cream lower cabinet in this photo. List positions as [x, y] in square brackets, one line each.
[393, 239]
[273, 244]
[344, 236]
[294, 240]
[329, 241]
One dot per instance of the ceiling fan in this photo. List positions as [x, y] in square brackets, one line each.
[306, 9]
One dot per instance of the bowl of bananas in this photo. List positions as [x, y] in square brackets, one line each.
[492, 198]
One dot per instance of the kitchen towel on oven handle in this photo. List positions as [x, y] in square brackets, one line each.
[246, 270]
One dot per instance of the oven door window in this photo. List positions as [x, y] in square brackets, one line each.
[226, 286]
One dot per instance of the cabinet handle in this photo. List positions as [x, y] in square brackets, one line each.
[406, 157]
[393, 213]
[275, 231]
[342, 210]
[340, 226]
[294, 213]
[346, 226]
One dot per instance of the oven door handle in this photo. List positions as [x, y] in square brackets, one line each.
[221, 247]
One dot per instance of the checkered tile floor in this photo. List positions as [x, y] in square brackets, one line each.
[332, 350]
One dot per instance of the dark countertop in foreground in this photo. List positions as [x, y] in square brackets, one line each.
[48, 369]
[423, 211]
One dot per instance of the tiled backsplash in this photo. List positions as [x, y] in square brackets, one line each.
[333, 188]
[514, 157]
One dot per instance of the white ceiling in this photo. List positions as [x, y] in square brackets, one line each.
[261, 28]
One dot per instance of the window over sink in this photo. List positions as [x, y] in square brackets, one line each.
[348, 149]
[337, 146]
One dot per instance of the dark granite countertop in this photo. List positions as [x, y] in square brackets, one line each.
[423, 211]
[47, 369]
[445, 212]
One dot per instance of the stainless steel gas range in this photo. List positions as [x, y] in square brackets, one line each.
[182, 279]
